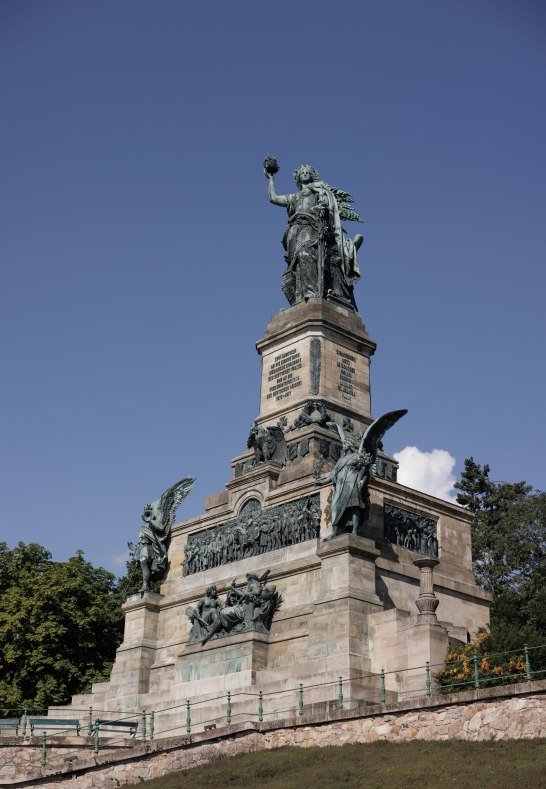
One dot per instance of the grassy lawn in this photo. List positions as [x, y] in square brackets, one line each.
[512, 763]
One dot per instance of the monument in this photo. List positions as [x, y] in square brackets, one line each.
[314, 563]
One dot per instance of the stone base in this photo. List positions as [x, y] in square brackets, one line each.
[241, 656]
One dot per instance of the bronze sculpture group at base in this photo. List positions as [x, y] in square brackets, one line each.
[248, 609]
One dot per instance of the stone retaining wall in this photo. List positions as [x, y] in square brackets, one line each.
[509, 712]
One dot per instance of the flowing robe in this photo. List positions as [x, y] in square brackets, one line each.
[346, 477]
[320, 256]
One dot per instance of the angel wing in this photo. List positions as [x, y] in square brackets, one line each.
[280, 454]
[172, 498]
[376, 431]
[335, 426]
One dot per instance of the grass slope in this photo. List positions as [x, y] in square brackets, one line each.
[510, 764]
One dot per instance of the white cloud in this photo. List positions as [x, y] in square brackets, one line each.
[430, 472]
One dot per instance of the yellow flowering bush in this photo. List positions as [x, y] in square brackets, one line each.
[493, 669]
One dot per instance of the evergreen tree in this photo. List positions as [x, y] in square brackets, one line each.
[509, 553]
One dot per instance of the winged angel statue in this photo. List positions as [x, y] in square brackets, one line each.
[155, 533]
[353, 472]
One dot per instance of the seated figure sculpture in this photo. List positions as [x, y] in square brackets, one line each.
[246, 609]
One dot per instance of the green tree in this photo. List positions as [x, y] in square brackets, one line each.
[131, 582]
[60, 624]
[509, 553]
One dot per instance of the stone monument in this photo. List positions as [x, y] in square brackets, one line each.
[332, 549]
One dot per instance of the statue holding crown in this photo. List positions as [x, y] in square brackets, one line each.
[321, 257]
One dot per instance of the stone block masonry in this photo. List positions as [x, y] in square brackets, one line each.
[506, 712]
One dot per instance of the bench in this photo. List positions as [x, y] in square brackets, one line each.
[122, 726]
[53, 723]
[10, 723]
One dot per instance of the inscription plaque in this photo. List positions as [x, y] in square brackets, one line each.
[347, 372]
[282, 378]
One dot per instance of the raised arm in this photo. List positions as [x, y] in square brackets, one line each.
[272, 193]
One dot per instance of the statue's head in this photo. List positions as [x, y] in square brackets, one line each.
[232, 596]
[152, 513]
[212, 591]
[305, 174]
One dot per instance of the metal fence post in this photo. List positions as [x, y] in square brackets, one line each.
[528, 664]
[96, 737]
[152, 720]
[260, 706]
[90, 722]
[383, 695]
[188, 717]
[228, 708]
[44, 749]
[340, 694]
[25, 718]
[476, 672]
[300, 700]
[144, 726]
[427, 670]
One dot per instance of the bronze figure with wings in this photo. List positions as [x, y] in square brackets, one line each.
[269, 444]
[155, 533]
[353, 472]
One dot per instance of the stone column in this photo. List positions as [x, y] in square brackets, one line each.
[338, 643]
[135, 656]
[427, 602]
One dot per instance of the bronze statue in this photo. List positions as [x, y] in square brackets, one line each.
[322, 259]
[269, 444]
[250, 608]
[155, 534]
[353, 472]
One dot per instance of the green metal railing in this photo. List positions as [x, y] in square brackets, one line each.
[288, 701]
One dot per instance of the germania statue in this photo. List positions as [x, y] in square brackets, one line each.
[321, 257]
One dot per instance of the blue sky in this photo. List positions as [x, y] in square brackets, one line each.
[141, 259]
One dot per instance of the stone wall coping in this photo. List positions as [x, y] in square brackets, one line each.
[400, 493]
[236, 730]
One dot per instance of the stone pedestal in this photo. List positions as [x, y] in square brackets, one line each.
[136, 654]
[426, 643]
[332, 623]
[222, 664]
[315, 350]
[338, 624]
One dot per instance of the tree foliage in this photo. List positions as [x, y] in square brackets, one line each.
[509, 553]
[60, 624]
[493, 669]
